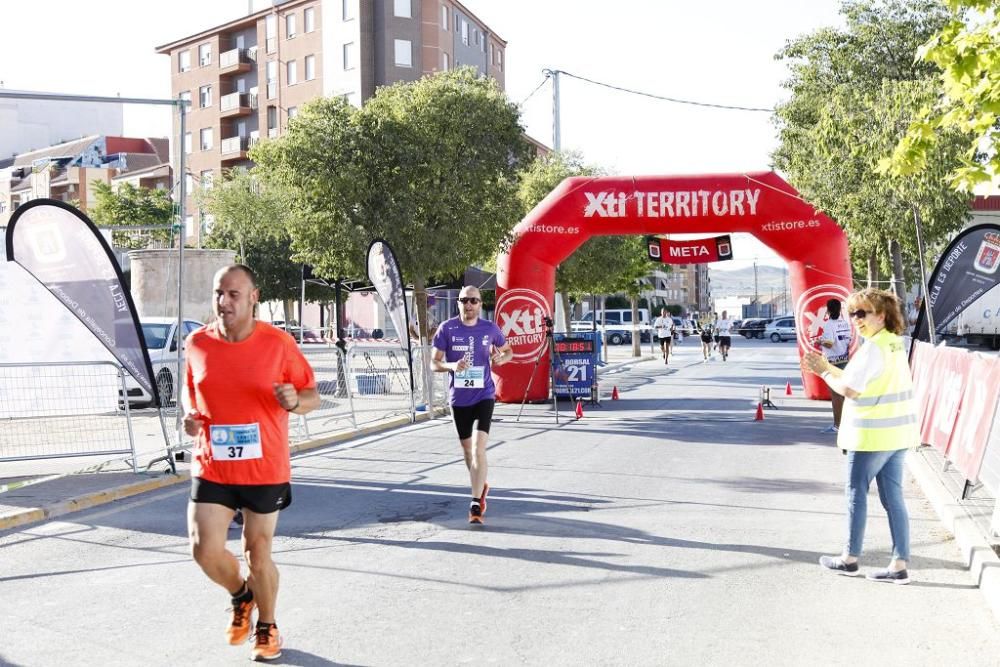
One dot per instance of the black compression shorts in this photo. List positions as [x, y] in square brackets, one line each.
[466, 415]
[258, 498]
[726, 341]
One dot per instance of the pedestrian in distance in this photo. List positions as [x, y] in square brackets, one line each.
[707, 339]
[724, 333]
[878, 425]
[244, 379]
[665, 329]
[466, 347]
[835, 344]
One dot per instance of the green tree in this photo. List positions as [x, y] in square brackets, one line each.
[252, 219]
[131, 206]
[430, 166]
[967, 51]
[854, 91]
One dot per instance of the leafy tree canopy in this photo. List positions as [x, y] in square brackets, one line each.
[132, 206]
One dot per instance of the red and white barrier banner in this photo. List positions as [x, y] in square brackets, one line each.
[715, 249]
[948, 379]
[955, 393]
[975, 417]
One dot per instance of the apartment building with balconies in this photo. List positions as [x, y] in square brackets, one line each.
[246, 79]
[686, 285]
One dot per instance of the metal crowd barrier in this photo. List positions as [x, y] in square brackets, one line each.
[64, 409]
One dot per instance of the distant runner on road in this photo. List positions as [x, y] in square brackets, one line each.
[724, 329]
[244, 377]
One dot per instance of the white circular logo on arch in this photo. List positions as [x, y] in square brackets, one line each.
[521, 314]
[810, 314]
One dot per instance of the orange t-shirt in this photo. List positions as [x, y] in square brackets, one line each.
[233, 384]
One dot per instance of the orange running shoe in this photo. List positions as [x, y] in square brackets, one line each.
[482, 498]
[475, 512]
[239, 629]
[267, 643]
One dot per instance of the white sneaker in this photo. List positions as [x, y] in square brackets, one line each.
[830, 429]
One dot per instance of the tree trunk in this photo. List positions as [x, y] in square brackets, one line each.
[636, 332]
[873, 269]
[564, 298]
[898, 283]
[289, 309]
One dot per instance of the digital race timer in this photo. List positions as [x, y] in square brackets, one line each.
[568, 345]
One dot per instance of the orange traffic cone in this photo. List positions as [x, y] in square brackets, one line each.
[788, 389]
[579, 408]
[759, 417]
[614, 393]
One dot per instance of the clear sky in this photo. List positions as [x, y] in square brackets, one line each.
[719, 52]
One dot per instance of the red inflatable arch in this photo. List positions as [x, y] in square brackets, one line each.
[760, 203]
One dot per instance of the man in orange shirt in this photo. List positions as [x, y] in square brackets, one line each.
[243, 378]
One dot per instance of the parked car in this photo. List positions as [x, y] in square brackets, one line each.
[617, 325]
[309, 336]
[781, 329]
[160, 336]
[753, 328]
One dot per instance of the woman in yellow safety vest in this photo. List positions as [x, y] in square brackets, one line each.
[878, 425]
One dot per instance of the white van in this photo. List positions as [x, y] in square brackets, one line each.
[617, 324]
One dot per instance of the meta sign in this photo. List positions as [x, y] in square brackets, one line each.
[700, 251]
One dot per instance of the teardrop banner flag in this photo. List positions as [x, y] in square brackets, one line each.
[968, 269]
[383, 271]
[62, 249]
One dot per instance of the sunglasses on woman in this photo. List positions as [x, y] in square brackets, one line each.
[860, 313]
[468, 299]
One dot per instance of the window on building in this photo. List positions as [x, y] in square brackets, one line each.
[205, 97]
[444, 61]
[404, 52]
[465, 33]
[206, 138]
[207, 179]
[184, 60]
[272, 78]
[188, 183]
[189, 225]
[271, 33]
[401, 8]
[348, 8]
[349, 55]
[499, 60]
[289, 26]
[293, 112]
[204, 54]
[187, 143]
[309, 19]
[444, 17]
[292, 72]
[482, 43]
[186, 97]
[310, 62]
[272, 118]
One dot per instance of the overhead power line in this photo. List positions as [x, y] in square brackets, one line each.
[661, 97]
[537, 88]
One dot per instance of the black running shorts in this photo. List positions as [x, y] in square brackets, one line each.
[706, 338]
[725, 341]
[258, 498]
[466, 415]
[666, 342]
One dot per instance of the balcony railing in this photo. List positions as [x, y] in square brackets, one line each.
[238, 60]
[234, 101]
[234, 146]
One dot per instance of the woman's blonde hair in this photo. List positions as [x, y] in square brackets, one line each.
[882, 302]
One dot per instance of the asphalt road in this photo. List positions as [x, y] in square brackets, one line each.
[666, 528]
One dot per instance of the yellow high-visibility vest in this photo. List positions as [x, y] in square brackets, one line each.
[883, 417]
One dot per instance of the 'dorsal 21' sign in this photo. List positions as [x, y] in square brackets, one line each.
[700, 251]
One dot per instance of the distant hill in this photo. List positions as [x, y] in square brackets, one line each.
[739, 282]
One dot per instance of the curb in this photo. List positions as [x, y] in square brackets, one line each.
[981, 560]
[87, 501]
[94, 499]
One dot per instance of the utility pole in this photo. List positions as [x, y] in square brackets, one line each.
[556, 131]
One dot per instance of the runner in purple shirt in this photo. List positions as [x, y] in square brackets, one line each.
[466, 347]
